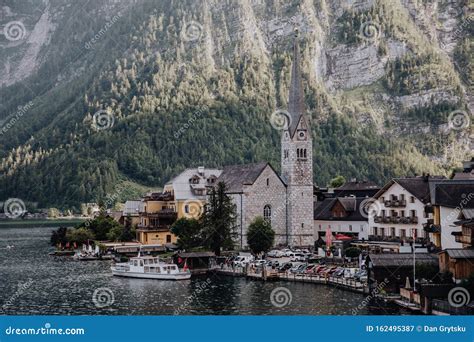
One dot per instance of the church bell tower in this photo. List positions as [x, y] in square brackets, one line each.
[297, 161]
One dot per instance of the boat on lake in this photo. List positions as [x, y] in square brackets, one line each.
[149, 267]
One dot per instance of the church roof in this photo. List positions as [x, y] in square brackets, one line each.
[296, 107]
[236, 176]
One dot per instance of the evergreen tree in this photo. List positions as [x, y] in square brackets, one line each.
[188, 232]
[218, 220]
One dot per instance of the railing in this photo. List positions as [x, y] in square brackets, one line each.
[396, 203]
[396, 219]
[444, 306]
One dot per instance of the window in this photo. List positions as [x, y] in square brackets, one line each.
[392, 232]
[361, 227]
[135, 263]
[286, 154]
[267, 213]
[302, 225]
[168, 238]
[382, 232]
[413, 213]
[375, 231]
[412, 199]
[382, 199]
[350, 227]
[403, 233]
[402, 197]
[268, 181]
[402, 213]
[304, 153]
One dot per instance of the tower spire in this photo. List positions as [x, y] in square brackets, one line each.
[296, 106]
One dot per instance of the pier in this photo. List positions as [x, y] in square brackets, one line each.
[267, 274]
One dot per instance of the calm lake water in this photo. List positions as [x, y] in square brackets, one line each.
[33, 283]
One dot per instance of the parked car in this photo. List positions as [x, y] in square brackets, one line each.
[295, 267]
[310, 269]
[349, 272]
[272, 253]
[285, 267]
[259, 262]
[320, 269]
[301, 269]
[339, 272]
[279, 254]
[242, 261]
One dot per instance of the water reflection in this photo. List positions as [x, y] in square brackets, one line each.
[62, 286]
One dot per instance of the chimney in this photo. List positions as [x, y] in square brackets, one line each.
[201, 170]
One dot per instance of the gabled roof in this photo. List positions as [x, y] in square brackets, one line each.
[452, 193]
[182, 187]
[132, 207]
[236, 176]
[323, 209]
[417, 186]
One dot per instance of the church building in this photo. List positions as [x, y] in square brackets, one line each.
[285, 200]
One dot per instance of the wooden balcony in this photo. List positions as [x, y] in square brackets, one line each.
[395, 203]
[396, 219]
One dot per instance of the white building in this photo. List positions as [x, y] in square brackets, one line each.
[398, 210]
[341, 215]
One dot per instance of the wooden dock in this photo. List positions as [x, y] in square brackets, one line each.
[268, 275]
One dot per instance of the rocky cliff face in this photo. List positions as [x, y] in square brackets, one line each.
[401, 66]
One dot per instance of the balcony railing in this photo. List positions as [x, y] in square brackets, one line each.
[164, 213]
[163, 228]
[395, 203]
[396, 219]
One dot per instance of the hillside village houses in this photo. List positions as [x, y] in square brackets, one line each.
[301, 213]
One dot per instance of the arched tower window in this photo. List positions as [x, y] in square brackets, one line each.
[267, 213]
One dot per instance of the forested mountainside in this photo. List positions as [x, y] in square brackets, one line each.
[107, 97]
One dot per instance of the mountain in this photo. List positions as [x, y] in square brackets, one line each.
[103, 99]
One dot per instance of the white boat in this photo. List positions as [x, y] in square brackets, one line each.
[149, 267]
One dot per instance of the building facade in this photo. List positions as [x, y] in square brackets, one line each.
[256, 190]
[398, 211]
[183, 197]
[297, 161]
[341, 215]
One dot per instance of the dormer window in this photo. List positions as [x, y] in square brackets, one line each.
[194, 179]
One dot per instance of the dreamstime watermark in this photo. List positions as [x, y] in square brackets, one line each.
[22, 287]
[192, 31]
[458, 297]
[453, 214]
[370, 207]
[14, 208]
[46, 330]
[194, 295]
[465, 24]
[371, 296]
[281, 297]
[103, 297]
[369, 31]
[280, 119]
[192, 209]
[14, 31]
[19, 113]
[88, 45]
[459, 120]
[102, 120]
[196, 115]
